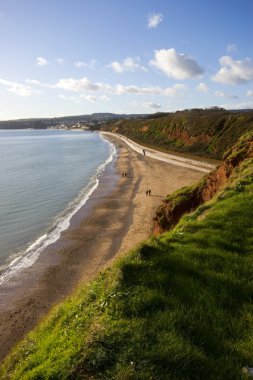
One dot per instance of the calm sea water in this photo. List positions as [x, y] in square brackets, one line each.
[45, 177]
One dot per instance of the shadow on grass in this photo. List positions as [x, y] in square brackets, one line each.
[187, 300]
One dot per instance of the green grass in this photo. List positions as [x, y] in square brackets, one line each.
[188, 198]
[205, 133]
[177, 307]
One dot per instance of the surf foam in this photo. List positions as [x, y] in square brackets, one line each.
[31, 254]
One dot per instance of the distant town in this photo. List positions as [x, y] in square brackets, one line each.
[80, 126]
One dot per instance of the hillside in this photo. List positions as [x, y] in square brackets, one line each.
[189, 198]
[202, 132]
[177, 307]
[42, 123]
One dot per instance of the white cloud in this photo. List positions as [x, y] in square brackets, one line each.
[33, 81]
[40, 61]
[78, 85]
[60, 61]
[17, 88]
[83, 85]
[150, 90]
[91, 98]
[104, 98]
[238, 106]
[177, 66]
[153, 106]
[80, 64]
[222, 94]
[234, 72]
[132, 89]
[177, 89]
[202, 87]
[249, 93]
[77, 99]
[231, 48]
[219, 93]
[129, 64]
[154, 20]
[91, 64]
[37, 83]
[74, 99]
[70, 84]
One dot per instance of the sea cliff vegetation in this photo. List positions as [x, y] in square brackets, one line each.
[179, 306]
[189, 198]
[206, 133]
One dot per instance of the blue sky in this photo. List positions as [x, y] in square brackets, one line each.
[69, 57]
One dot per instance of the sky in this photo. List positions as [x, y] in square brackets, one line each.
[73, 57]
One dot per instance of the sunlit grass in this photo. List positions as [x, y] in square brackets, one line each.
[177, 307]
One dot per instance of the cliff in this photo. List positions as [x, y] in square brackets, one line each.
[189, 198]
[202, 132]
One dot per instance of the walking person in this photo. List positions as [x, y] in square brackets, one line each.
[149, 192]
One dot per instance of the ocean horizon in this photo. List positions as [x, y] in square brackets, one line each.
[46, 176]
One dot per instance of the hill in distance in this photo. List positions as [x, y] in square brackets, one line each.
[208, 132]
[42, 123]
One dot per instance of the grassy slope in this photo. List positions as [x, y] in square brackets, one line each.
[177, 307]
[202, 132]
[188, 198]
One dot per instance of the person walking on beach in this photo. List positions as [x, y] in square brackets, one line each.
[144, 153]
[146, 192]
[149, 192]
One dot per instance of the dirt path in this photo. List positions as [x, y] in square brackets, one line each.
[165, 157]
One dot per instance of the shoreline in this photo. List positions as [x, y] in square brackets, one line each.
[178, 160]
[29, 253]
[117, 216]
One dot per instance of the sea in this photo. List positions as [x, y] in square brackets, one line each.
[46, 176]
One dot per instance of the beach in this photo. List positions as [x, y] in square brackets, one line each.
[117, 216]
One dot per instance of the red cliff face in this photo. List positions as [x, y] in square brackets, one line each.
[188, 139]
[215, 181]
[190, 198]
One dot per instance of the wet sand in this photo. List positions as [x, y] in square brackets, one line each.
[118, 216]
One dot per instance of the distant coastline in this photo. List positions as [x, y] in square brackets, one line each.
[93, 121]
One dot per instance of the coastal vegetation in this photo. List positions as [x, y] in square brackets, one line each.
[179, 306]
[207, 132]
[188, 198]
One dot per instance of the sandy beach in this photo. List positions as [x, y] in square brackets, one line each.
[118, 216]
